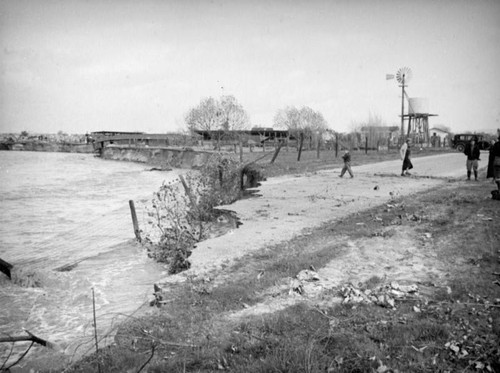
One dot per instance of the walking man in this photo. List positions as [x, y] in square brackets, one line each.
[405, 153]
[347, 164]
[473, 153]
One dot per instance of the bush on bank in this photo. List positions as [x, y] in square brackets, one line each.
[181, 212]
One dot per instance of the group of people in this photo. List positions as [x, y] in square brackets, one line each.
[472, 152]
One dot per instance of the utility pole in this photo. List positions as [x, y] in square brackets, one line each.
[402, 110]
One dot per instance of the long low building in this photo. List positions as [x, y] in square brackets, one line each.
[259, 134]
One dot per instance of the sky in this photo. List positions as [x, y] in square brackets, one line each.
[89, 65]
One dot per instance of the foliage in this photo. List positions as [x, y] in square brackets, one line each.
[218, 183]
[374, 129]
[179, 215]
[454, 326]
[24, 134]
[304, 120]
[172, 227]
[225, 114]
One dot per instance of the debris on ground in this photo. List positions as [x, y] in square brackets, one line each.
[304, 276]
[384, 296]
[308, 283]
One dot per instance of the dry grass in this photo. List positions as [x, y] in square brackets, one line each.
[456, 328]
[286, 162]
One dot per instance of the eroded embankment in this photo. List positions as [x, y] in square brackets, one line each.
[160, 157]
[291, 206]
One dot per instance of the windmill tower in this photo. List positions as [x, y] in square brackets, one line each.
[418, 112]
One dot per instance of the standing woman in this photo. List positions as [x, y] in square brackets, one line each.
[405, 153]
[494, 162]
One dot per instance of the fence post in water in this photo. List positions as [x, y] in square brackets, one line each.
[134, 221]
[95, 333]
[5, 268]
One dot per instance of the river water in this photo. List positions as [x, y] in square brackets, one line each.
[59, 209]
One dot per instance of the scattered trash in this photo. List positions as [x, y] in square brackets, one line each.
[304, 277]
[419, 349]
[296, 286]
[413, 217]
[307, 275]
[384, 296]
[454, 346]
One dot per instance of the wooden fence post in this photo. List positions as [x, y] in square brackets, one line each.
[5, 268]
[336, 145]
[300, 146]
[134, 221]
[280, 144]
[317, 149]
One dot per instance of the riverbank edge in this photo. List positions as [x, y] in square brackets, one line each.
[161, 157]
[48, 147]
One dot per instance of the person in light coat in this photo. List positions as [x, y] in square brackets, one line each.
[405, 153]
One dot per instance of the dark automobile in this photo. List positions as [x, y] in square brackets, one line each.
[460, 141]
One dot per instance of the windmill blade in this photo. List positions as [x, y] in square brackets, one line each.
[403, 74]
[389, 76]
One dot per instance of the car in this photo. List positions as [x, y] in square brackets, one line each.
[460, 141]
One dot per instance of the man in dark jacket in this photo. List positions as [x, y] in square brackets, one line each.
[473, 153]
[494, 163]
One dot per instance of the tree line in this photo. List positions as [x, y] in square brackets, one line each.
[227, 114]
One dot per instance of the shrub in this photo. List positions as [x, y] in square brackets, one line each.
[180, 212]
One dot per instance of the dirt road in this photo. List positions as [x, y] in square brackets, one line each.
[292, 205]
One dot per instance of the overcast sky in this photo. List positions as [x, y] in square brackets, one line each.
[89, 65]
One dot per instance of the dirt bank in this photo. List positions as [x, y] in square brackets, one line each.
[292, 205]
[244, 306]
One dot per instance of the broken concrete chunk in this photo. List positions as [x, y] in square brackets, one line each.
[307, 275]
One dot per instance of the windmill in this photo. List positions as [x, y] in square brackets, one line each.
[402, 76]
[417, 111]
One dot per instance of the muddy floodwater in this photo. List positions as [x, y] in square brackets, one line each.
[71, 211]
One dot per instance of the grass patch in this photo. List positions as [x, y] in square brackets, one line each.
[454, 327]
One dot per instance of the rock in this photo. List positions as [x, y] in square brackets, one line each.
[296, 286]
[307, 275]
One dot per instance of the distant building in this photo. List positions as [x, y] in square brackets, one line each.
[377, 136]
[439, 137]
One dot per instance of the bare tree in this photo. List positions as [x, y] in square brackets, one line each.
[288, 118]
[231, 114]
[204, 116]
[304, 121]
[225, 114]
[374, 131]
